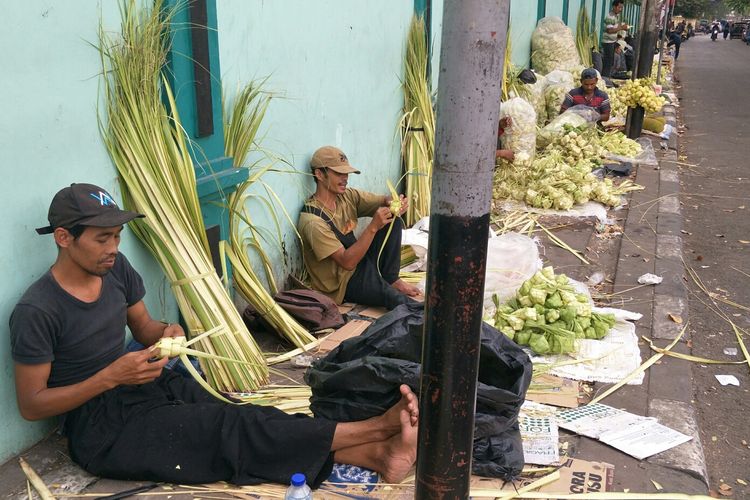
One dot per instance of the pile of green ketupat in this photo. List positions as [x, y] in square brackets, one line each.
[548, 315]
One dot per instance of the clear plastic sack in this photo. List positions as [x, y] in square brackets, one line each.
[536, 99]
[558, 84]
[576, 116]
[647, 156]
[520, 135]
[553, 46]
[512, 258]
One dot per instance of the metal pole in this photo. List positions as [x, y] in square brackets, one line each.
[670, 14]
[468, 108]
[644, 58]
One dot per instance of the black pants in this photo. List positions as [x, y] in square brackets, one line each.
[172, 430]
[676, 51]
[371, 287]
[608, 58]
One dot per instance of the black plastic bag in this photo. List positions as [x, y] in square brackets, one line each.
[360, 379]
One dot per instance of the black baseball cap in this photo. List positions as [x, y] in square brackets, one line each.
[85, 205]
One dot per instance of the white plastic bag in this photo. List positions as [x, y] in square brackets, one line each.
[536, 99]
[576, 116]
[647, 156]
[553, 46]
[512, 258]
[520, 135]
[558, 84]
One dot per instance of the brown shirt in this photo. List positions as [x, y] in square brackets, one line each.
[319, 241]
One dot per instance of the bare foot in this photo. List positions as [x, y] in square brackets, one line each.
[400, 451]
[409, 403]
[406, 288]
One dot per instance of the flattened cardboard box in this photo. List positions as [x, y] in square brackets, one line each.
[576, 476]
[351, 329]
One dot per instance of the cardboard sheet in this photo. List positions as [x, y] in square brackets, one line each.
[556, 391]
[576, 476]
[351, 329]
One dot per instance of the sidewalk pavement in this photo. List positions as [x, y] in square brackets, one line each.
[650, 243]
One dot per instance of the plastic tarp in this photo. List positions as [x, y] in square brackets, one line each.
[647, 156]
[588, 209]
[360, 379]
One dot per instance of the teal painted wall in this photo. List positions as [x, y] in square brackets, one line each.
[49, 138]
[555, 8]
[523, 18]
[336, 66]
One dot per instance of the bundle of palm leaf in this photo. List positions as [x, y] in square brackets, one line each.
[242, 123]
[148, 147]
[242, 120]
[586, 39]
[417, 124]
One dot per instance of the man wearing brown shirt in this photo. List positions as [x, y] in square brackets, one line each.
[342, 266]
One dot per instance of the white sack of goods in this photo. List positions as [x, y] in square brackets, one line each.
[559, 83]
[520, 135]
[553, 46]
[536, 98]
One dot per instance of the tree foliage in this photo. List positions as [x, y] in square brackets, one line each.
[738, 6]
[691, 8]
[710, 8]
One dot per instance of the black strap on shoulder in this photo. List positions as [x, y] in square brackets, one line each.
[346, 239]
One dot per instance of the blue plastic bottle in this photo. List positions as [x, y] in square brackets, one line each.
[298, 489]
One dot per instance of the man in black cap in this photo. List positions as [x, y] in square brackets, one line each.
[125, 417]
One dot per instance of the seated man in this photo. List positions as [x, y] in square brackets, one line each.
[588, 95]
[344, 267]
[619, 66]
[127, 418]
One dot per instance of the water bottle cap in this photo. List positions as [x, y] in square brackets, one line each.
[298, 479]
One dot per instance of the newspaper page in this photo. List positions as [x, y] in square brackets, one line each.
[540, 440]
[637, 436]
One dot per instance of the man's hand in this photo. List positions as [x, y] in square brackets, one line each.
[506, 122]
[505, 154]
[404, 203]
[135, 368]
[173, 330]
[380, 218]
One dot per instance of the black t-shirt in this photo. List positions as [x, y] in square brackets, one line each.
[78, 338]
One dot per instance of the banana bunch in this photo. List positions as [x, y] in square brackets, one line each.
[640, 92]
